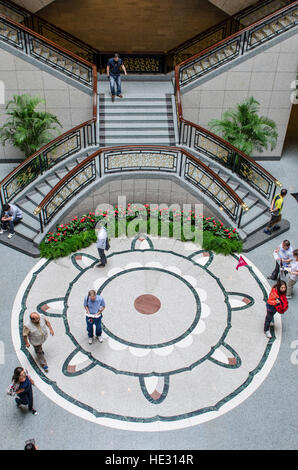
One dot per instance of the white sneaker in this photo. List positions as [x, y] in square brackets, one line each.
[10, 235]
[99, 338]
[268, 334]
[90, 341]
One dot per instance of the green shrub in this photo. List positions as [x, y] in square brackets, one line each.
[79, 232]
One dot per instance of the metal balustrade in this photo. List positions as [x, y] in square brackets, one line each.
[41, 49]
[238, 44]
[142, 159]
[142, 62]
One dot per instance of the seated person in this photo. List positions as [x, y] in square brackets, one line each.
[283, 255]
[10, 216]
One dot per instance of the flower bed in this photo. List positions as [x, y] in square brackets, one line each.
[80, 232]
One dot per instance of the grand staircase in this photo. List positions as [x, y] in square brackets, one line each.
[143, 116]
[146, 115]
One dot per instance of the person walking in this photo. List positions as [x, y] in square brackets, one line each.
[35, 331]
[283, 256]
[293, 272]
[94, 306]
[10, 216]
[277, 302]
[276, 210]
[113, 74]
[22, 384]
[102, 245]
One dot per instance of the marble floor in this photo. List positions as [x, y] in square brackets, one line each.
[184, 363]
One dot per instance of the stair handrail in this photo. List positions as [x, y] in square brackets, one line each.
[234, 151]
[61, 137]
[241, 205]
[228, 25]
[33, 16]
[239, 33]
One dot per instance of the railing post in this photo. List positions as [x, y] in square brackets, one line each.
[240, 217]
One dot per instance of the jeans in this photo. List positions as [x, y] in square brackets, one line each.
[115, 80]
[97, 323]
[271, 311]
[25, 398]
[11, 224]
[102, 256]
[40, 355]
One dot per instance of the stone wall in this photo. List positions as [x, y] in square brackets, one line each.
[266, 76]
[70, 105]
[136, 190]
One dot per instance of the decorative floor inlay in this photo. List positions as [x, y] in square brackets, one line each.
[178, 331]
[147, 304]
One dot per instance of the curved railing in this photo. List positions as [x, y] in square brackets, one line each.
[141, 62]
[238, 44]
[115, 160]
[204, 141]
[70, 142]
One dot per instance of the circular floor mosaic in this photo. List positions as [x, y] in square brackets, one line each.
[182, 329]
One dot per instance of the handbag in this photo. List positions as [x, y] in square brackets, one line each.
[107, 244]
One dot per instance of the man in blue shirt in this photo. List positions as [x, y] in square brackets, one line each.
[94, 306]
[113, 73]
[10, 215]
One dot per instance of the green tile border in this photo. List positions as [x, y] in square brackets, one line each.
[100, 414]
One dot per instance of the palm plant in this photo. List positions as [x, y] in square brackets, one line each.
[26, 128]
[245, 129]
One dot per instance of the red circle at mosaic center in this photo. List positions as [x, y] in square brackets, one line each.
[147, 304]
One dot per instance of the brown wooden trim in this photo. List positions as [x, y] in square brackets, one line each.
[48, 41]
[39, 18]
[75, 170]
[238, 33]
[29, 159]
[74, 129]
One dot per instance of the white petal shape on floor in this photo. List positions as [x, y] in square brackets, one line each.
[98, 282]
[236, 303]
[151, 383]
[201, 326]
[205, 310]
[174, 269]
[133, 265]
[219, 356]
[139, 352]
[192, 280]
[114, 271]
[185, 342]
[116, 345]
[202, 294]
[163, 351]
[57, 305]
[87, 261]
[144, 245]
[153, 264]
[200, 259]
[78, 359]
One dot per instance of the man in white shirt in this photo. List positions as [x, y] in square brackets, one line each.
[283, 256]
[293, 272]
[101, 244]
